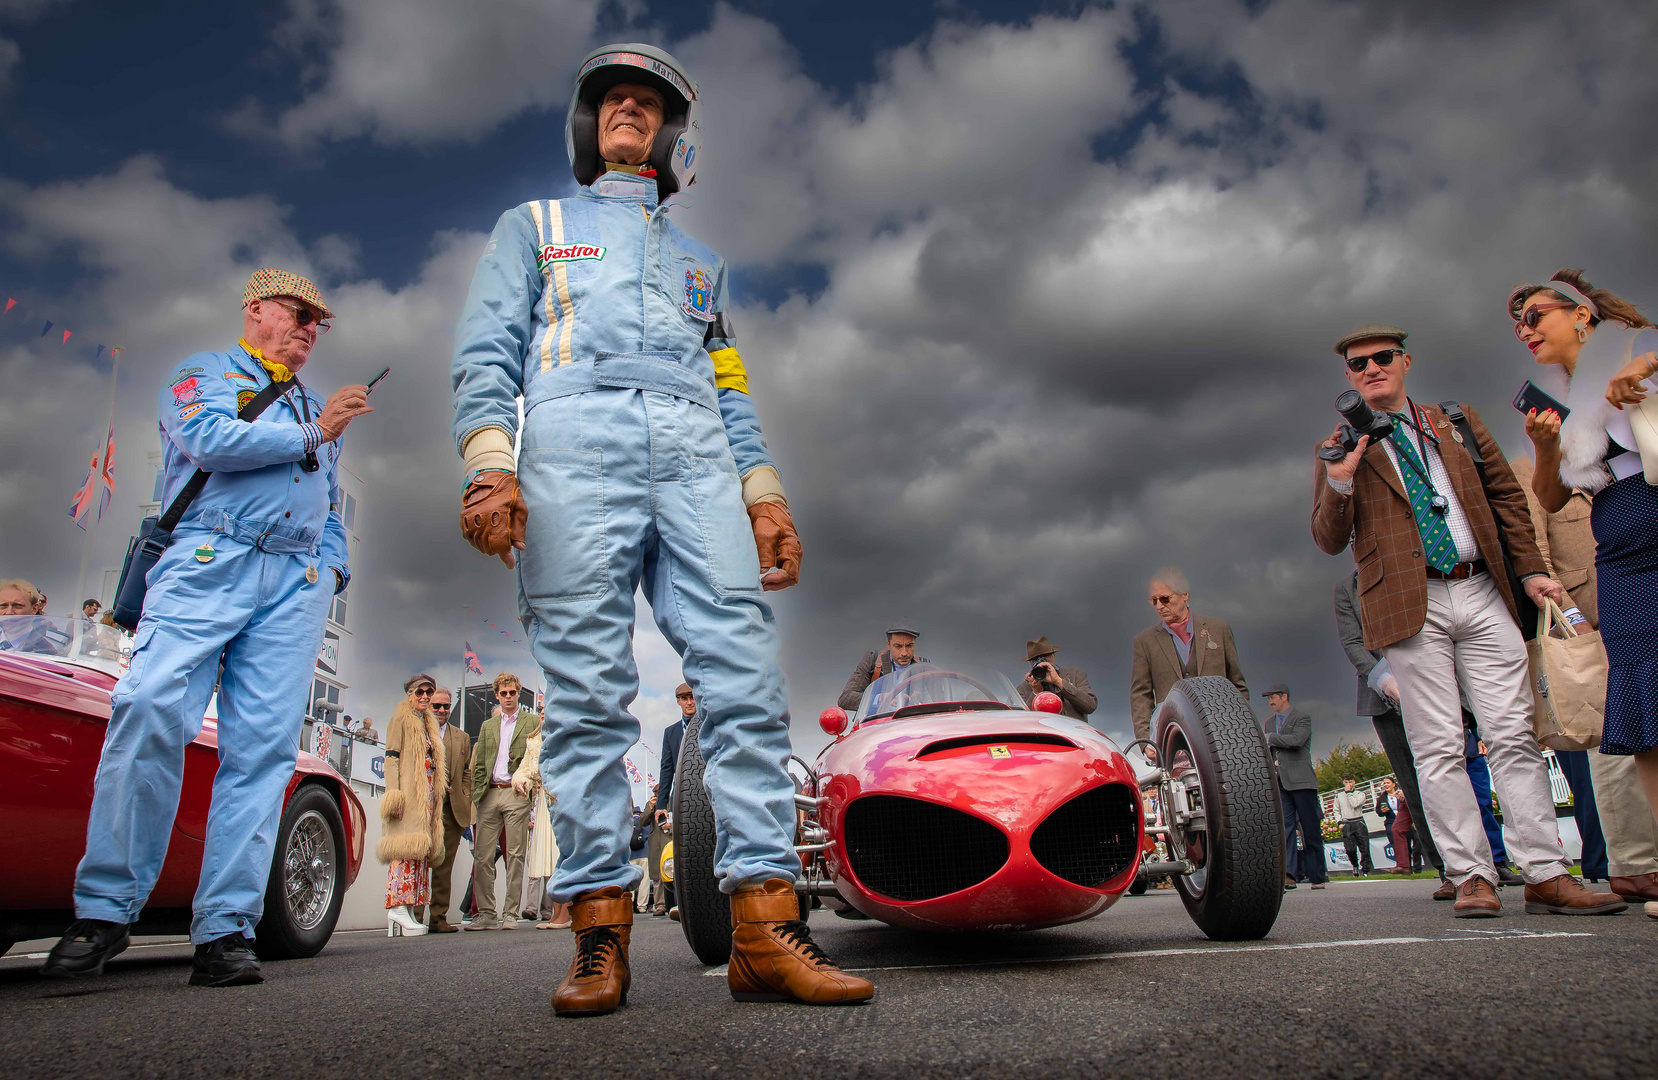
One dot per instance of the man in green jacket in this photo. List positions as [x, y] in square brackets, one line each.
[499, 750]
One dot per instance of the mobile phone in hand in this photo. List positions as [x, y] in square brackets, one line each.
[1530, 398]
[369, 389]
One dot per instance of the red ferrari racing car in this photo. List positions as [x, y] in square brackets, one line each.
[950, 805]
[55, 681]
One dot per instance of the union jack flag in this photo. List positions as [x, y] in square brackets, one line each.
[633, 771]
[99, 481]
[472, 665]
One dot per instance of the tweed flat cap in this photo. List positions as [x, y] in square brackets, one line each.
[1369, 330]
[1277, 687]
[272, 282]
[903, 626]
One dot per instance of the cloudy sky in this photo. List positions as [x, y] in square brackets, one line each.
[1034, 297]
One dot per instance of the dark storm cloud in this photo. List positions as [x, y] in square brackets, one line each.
[1031, 377]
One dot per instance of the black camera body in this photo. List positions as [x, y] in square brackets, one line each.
[1360, 420]
[1039, 676]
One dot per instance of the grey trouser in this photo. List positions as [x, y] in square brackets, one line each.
[1470, 639]
[501, 809]
[1625, 816]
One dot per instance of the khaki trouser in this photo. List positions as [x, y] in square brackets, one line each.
[502, 808]
[444, 872]
[1625, 816]
[1471, 640]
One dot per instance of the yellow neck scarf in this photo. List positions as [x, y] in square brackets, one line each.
[279, 372]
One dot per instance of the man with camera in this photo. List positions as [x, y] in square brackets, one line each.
[1434, 537]
[1071, 684]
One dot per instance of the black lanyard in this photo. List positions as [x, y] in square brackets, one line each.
[1439, 502]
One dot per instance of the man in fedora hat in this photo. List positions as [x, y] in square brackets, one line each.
[1071, 684]
[900, 652]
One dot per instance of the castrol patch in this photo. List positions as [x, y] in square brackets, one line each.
[557, 253]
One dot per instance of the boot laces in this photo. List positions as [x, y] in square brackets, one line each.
[798, 936]
[593, 949]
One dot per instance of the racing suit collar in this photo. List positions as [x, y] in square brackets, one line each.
[622, 185]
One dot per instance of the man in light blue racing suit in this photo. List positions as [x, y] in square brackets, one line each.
[245, 582]
[640, 451]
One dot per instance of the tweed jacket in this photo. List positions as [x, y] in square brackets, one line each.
[489, 742]
[1290, 742]
[1077, 697]
[871, 667]
[1565, 539]
[1157, 665]
[457, 750]
[1376, 518]
[1351, 632]
[411, 811]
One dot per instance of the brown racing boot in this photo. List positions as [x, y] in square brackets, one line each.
[1477, 899]
[1563, 894]
[773, 956]
[598, 979]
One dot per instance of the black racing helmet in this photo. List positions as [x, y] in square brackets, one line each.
[678, 147]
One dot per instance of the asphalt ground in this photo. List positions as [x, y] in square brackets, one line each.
[1364, 979]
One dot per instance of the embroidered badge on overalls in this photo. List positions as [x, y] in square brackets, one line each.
[205, 553]
[699, 294]
[186, 392]
[243, 397]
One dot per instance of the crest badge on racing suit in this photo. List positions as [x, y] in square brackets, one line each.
[187, 392]
[699, 294]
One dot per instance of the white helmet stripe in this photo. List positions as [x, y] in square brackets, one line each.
[638, 60]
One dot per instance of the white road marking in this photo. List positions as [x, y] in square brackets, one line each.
[1215, 949]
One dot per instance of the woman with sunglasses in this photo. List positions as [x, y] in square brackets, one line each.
[1600, 355]
[411, 810]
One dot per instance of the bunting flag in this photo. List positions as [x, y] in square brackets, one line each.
[48, 324]
[473, 667]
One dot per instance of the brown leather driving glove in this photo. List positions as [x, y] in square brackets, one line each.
[777, 543]
[493, 515]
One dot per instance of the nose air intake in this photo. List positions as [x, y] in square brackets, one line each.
[913, 850]
[1090, 839]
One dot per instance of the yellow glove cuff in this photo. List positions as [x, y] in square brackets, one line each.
[489, 448]
[763, 485]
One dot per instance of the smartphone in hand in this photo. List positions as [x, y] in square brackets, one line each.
[369, 389]
[1530, 398]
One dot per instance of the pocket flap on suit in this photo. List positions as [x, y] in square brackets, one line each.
[1369, 574]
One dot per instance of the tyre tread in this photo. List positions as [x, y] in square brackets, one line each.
[704, 911]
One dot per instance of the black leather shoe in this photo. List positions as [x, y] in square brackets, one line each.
[1506, 876]
[85, 947]
[226, 961]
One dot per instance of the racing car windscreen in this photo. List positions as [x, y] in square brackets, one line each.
[922, 684]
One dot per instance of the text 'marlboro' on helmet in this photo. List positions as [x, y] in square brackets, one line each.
[675, 154]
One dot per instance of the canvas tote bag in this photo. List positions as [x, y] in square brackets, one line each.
[1568, 673]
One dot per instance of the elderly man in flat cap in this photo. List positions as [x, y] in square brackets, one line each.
[246, 579]
[1071, 683]
[1437, 522]
[900, 652]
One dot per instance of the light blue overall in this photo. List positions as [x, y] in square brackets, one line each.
[267, 521]
[609, 321]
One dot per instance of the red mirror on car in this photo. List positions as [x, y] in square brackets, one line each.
[1047, 701]
[833, 720]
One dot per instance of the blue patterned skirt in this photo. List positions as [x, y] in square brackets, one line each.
[1625, 520]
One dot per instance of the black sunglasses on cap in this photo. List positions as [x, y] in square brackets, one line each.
[1383, 359]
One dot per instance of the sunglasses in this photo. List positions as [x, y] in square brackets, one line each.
[422, 691]
[304, 316]
[1159, 601]
[1383, 359]
[1533, 315]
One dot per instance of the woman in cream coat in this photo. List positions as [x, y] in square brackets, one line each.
[543, 854]
[411, 836]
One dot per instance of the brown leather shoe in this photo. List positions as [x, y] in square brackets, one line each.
[598, 980]
[773, 956]
[1563, 894]
[1636, 889]
[443, 926]
[1446, 890]
[1477, 899]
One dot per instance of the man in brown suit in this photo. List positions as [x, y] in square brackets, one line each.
[1181, 645]
[1070, 683]
[1429, 536]
[457, 809]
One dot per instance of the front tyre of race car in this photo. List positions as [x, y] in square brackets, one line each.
[704, 911]
[1212, 745]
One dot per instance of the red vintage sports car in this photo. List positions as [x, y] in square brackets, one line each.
[950, 805]
[56, 676]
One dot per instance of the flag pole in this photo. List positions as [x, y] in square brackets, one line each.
[98, 481]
